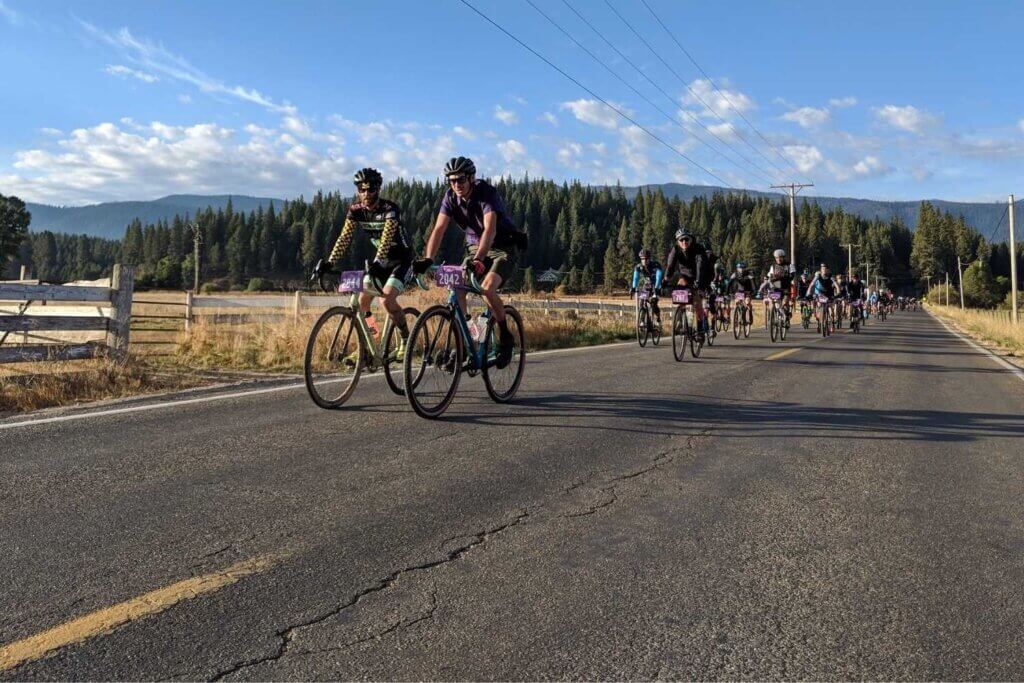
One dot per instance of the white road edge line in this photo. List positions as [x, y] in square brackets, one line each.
[1014, 370]
[237, 394]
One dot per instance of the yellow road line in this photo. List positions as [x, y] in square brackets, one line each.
[110, 618]
[783, 354]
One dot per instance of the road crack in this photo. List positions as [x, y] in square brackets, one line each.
[288, 634]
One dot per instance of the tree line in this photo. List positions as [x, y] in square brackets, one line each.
[590, 234]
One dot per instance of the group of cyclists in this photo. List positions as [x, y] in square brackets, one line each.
[492, 247]
[828, 298]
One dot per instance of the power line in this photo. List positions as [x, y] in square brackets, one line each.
[642, 73]
[693, 92]
[607, 68]
[717, 89]
[592, 93]
[992, 235]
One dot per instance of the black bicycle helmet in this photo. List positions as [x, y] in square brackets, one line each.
[368, 175]
[645, 253]
[683, 233]
[460, 166]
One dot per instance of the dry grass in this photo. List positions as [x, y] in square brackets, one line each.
[31, 386]
[993, 327]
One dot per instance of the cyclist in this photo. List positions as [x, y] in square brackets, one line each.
[780, 276]
[743, 282]
[823, 285]
[716, 292]
[855, 292]
[689, 258]
[391, 269]
[650, 273]
[873, 301]
[492, 241]
[841, 298]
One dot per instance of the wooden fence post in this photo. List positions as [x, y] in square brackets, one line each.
[122, 285]
[24, 273]
[297, 306]
[188, 310]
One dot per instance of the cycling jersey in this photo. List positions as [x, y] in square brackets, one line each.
[843, 290]
[653, 274]
[802, 287]
[689, 263]
[469, 214]
[781, 276]
[718, 285]
[823, 285]
[384, 226]
[741, 283]
[855, 290]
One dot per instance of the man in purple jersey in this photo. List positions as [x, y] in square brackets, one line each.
[492, 241]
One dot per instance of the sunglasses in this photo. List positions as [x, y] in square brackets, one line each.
[458, 180]
[368, 189]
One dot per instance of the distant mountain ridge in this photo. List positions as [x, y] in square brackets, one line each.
[110, 219]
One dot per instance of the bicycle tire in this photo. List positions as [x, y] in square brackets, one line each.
[393, 371]
[773, 324]
[695, 347]
[679, 334]
[519, 334]
[309, 365]
[446, 361]
[655, 331]
[737, 321]
[642, 322]
[784, 325]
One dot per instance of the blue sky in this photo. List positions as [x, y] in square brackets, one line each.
[134, 100]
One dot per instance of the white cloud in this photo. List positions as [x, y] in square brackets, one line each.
[868, 167]
[599, 147]
[464, 132]
[511, 150]
[633, 147]
[841, 102]
[593, 112]
[156, 58]
[185, 99]
[520, 100]
[14, 18]
[806, 157]
[1020, 124]
[808, 117]
[407, 139]
[297, 126]
[908, 118]
[506, 116]
[725, 131]
[570, 154]
[123, 71]
[52, 132]
[723, 102]
[550, 118]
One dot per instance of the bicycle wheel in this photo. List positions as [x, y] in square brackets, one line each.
[655, 330]
[680, 331]
[773, 324]
[434, 361]
[695, 346]
[784, 323]
[826, 323]
[642, 323]
[710, 335]
[392, 366]
[748, 321]
[503, 383]
[334, 339]
[805, 317]
[737, 321]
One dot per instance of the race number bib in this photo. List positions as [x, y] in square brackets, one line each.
[351, 281]
[449, 276]
[776, 295]
[740, 296]
[855, 303]
[681, 296]
[643, 295]
[822, 299]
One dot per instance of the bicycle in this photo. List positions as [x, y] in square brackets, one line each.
[824, 316]
[684, 326]
[645, 326]
[777, 322]
[856, 315]
[741, 316]
[724, 317]
[442, 348]
[806, 313]
[332, 369]
[711, 324]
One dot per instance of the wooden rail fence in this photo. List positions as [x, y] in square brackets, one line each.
[106, 309]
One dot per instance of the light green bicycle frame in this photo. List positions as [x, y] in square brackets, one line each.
[376, 353]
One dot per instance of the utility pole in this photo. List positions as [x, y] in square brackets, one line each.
[929, 279]
[867, 274]
[849, 259]
[960, 273]
[1013, 266]
[947, 288]
[793, 189]
[197, 239]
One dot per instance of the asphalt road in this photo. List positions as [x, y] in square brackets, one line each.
[851, 510]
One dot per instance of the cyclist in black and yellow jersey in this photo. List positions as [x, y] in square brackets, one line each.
[391, 269]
